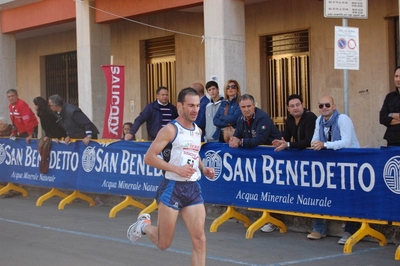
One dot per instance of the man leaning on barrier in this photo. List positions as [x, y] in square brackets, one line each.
[332, 131]
[298, 132]
[255, 127]
[75, 123]
[23, 120]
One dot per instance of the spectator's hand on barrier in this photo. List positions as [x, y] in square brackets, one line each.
[209, 172]
[28, 138]
[128, 136]
[317, 145]
[234, 142]
[280, 144]
[86, 140]
[67, 140]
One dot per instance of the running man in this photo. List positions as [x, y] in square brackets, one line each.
[179, 142]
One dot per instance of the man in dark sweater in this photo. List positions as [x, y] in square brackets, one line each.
[156, 115]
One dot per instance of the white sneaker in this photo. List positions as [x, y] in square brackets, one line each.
[268, 228]
[344, 238]
[134, 231]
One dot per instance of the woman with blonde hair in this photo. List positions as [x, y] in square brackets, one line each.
[228, 112]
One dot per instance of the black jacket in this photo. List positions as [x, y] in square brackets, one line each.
[391, 104]
[50, 127]
[76, 123]
[303, 132]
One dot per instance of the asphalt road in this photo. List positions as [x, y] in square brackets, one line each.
[85, 236]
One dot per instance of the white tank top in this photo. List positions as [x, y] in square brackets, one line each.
[184, 149]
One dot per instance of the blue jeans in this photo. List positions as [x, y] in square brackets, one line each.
[351, 227]
[319, 226]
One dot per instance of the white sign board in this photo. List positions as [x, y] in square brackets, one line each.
[347, 48]
[346, 9]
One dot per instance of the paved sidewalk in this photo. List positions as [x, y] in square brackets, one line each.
[85, 236]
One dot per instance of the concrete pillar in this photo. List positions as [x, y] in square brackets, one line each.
[8, 70]
[224, 28]
[93, 50]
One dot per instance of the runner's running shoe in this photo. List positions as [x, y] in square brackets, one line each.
[135, 230]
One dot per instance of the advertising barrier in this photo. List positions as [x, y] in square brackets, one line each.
[360, 183]
[111, 168]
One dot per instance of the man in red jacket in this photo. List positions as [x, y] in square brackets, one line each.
[24, 121]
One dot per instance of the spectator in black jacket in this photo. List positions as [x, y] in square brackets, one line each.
[299, 125]
[254, 127]
[76, 124]
[298, 132]
[48, 120]
[389, 116]
[51, 130]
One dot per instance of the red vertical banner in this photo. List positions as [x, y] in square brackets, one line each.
[114, 113]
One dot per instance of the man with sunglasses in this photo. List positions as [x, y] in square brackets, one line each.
[332, 131]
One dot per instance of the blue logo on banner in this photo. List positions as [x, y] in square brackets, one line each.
[391, 174]
[213, 160]
[88, 159]
[2, 153]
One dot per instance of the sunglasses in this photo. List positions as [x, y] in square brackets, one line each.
[231, 87]
[327, 105]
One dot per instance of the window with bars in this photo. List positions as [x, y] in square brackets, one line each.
[62, 76]
[160, 67]
[288, 61]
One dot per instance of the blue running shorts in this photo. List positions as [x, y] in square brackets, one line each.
[177, 195]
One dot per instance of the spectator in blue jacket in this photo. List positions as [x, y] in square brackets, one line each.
[229, 111]
[156, 115]
[201, 117]
[255, 127]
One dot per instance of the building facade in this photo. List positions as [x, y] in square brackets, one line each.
[272, 47]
